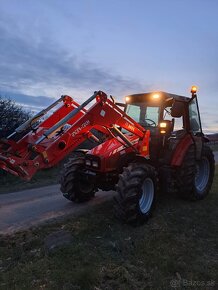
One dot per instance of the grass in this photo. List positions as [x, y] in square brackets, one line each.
[178, 245]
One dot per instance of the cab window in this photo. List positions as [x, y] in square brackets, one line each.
[147, 116]
[134, 112]
[194, 118]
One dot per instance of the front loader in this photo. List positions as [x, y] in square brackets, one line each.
[154, 140]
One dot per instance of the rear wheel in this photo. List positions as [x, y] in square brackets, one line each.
[195, 177]
[73, 186]
[136, 193]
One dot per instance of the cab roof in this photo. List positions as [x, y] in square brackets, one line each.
[156, 95]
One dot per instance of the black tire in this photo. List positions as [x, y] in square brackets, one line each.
[195, 178]
[130, 193]
[73, 187]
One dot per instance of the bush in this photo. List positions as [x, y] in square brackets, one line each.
[11, 116]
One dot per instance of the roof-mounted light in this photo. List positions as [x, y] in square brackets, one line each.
[156, 96]
[127, 99]
[194, 90]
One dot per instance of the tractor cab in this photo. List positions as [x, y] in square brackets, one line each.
[169, 118]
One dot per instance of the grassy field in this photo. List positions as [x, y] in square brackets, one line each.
[177, 247]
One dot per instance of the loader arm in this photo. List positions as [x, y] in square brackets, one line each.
[66, 128]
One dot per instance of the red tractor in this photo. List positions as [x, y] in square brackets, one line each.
[153, 140]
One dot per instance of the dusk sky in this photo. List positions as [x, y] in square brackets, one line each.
[53, 47]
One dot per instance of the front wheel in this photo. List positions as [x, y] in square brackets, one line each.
[136, 193]
[75, 188]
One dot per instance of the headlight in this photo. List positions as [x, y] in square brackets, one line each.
[88, 162]
[163, 125]
[92, 163]
[166, 127]
[95, 164]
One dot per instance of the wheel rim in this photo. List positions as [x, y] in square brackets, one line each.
[202, 174]
[147, 196]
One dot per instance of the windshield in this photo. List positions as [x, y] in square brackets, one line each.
[147, 116]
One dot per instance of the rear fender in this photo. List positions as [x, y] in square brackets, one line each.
[181, 150]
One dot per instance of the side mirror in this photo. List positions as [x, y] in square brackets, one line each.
[177, 109]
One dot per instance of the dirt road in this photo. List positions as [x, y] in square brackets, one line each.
[23, 209]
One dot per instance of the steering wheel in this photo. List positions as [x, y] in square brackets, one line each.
[152, 123]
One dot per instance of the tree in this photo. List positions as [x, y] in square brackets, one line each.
[11, 116]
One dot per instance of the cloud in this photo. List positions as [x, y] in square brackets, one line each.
[41, 66]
